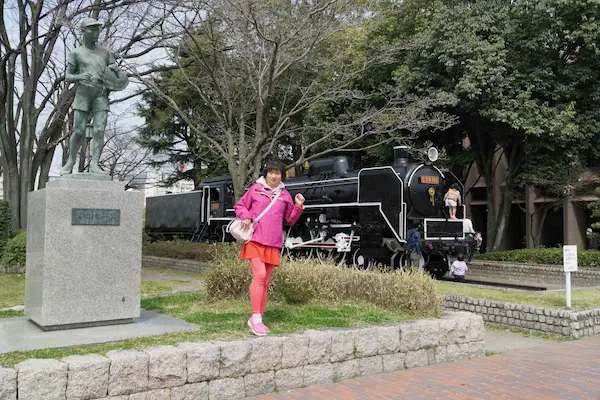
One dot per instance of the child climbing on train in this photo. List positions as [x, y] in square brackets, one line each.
[459, 268]
[452, 199]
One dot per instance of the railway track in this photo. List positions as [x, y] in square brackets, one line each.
[500, 285]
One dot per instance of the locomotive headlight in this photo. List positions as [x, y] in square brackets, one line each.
[432, 154]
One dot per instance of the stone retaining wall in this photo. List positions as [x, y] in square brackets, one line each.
[174, 264]
[551, 274]
[12, 269]
[573, 324]
[235, 369]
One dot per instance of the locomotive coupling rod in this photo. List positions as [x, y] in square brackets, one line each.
[305, 243]
[322, 236]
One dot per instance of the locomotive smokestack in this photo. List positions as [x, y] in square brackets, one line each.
[400, 155]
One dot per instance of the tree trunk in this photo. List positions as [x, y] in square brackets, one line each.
[537, 238]
[4, 175]
[491, 218]
[12, 194]
[26, 180]
[257, 167]
[83, 154]
[45, 168]
[502, 220]
[238, 183]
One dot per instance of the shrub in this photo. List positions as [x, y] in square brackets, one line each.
[304, 281]
[552, 256]
[298, 283]
[15, 250]
[5, 220]
[146, 242]
[229, 277]
[182, 249]
[411, 291]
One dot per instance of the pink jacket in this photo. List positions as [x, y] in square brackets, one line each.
[269, 230]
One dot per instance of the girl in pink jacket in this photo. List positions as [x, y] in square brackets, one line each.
[264, 247]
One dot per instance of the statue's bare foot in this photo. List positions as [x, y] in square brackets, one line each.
[67, 169]
[95, 169]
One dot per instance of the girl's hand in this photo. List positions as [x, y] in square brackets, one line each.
[246, 223]
[299, 200]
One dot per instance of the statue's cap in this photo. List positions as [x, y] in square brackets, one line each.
[89, 22]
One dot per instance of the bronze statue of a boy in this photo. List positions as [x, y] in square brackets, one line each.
[93, 69]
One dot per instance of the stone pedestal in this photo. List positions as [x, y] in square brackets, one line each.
[84, 250]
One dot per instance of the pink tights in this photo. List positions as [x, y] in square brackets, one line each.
[260, 282]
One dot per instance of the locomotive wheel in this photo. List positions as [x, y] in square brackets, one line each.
[437, 267]
[296, 254]
[359, 261]
[324, 255]
[300, 254]
[338, 258]
[401, 262]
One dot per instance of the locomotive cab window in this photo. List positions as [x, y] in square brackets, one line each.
[215, 204]
[214, 194]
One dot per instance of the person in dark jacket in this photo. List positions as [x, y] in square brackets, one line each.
[591, 242]
[415, 253]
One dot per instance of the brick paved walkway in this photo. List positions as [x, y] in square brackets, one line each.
[559, 371]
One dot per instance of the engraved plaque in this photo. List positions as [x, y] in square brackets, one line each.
[95, 216]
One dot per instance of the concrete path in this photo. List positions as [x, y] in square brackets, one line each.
[20, 334]
[555, 371]
[500, 341]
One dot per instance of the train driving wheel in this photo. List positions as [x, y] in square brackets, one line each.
[327, 254]
[298, 253]
[401, 261]
[437, 266]
[360, 261]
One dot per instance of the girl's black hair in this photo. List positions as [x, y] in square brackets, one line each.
[460, 257]
[274, 165]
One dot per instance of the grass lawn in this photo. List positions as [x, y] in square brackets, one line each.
[528, 332]
[12, 287]
[580, 298]
[12, 290]
[226, 319]
[150, 287]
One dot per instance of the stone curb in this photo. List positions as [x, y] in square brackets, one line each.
[569, 323]
[235, 369]
[12, 269]
[543, 273]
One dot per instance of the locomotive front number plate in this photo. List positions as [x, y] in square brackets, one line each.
[95, 216]
[432, 180]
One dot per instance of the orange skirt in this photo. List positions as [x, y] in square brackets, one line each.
[267, 254]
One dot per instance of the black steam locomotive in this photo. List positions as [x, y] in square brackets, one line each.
[359, 217]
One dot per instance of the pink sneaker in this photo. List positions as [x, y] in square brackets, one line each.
[257, 329]
[265, 327]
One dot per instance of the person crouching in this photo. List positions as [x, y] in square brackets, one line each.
[459, 268]
[264, 247]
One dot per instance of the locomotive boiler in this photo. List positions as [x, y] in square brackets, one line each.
[358, 217]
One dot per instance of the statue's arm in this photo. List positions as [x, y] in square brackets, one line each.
[73, 74]
[111, 60]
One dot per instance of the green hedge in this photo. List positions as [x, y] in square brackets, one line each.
[5, 220]
[552, 256]
[15, 250]
[181, 249]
